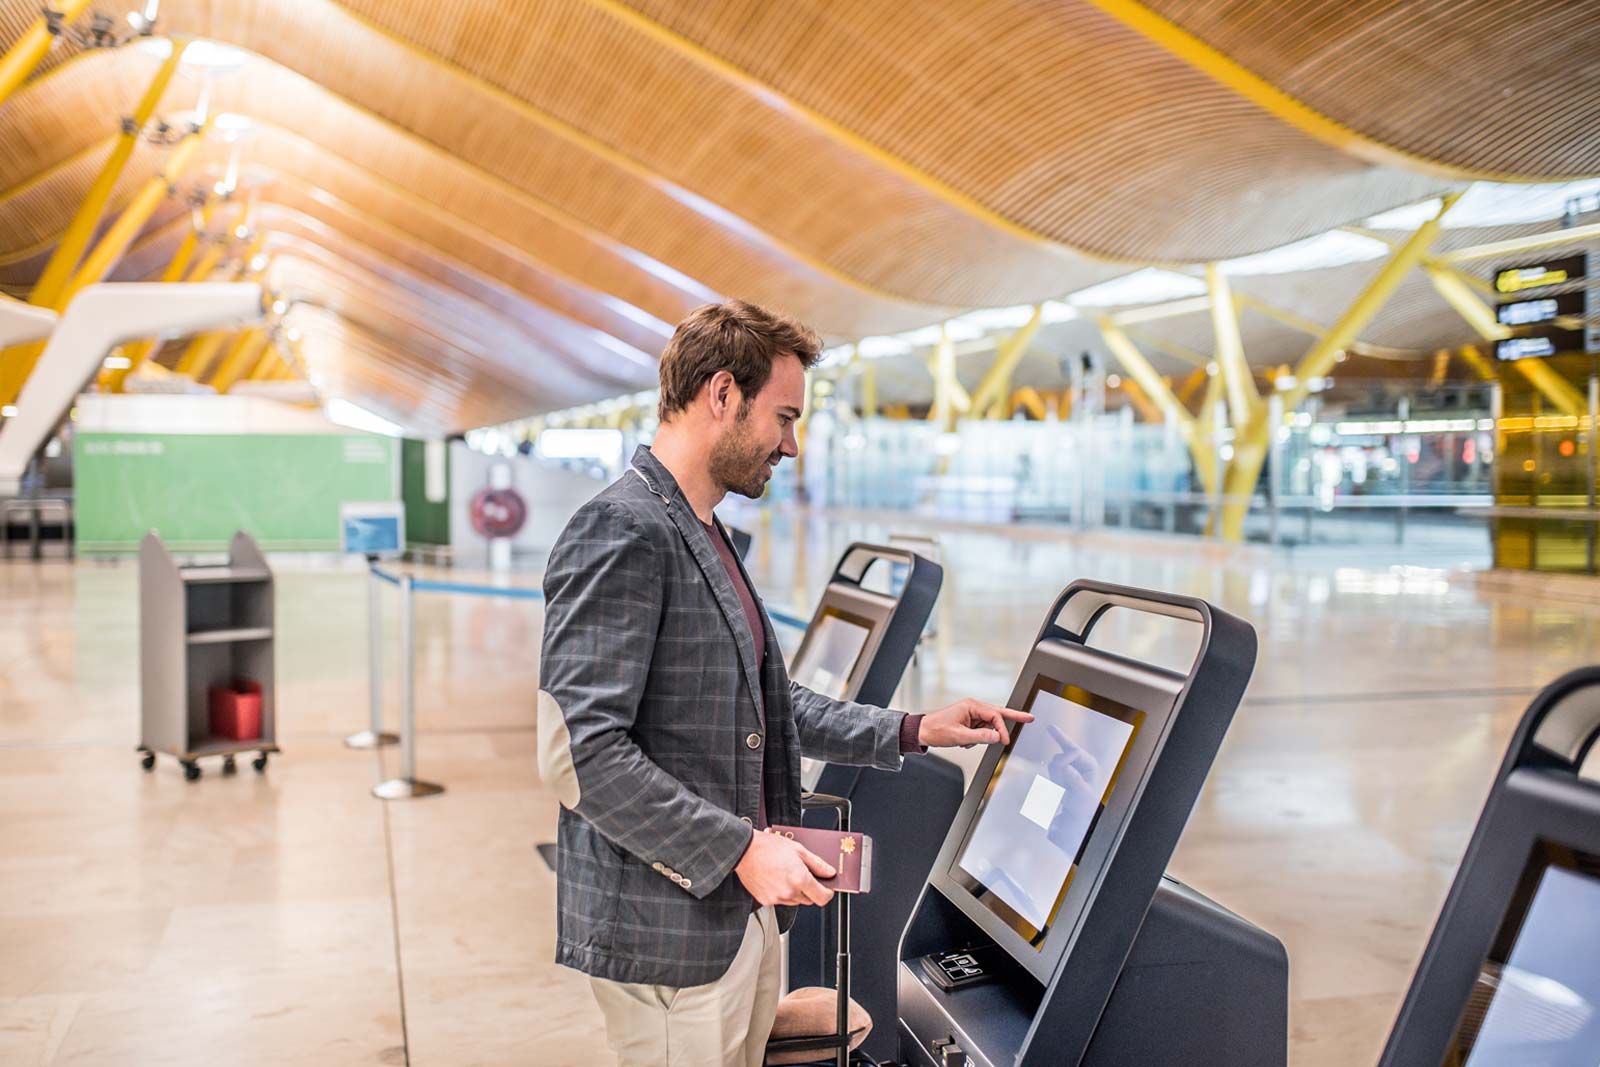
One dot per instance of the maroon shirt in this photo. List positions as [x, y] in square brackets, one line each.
[910, 725]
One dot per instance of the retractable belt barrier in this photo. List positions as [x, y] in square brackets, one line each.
[407, 784]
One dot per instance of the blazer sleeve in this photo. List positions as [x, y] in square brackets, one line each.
[842, 731]
[603, 605]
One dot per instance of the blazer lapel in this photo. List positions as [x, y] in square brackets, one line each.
[662, 484]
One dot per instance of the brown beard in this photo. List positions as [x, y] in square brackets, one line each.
[738, 461]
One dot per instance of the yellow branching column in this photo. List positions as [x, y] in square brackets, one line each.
[15, 369]
[20, 60]
[239, 360]
[177, 267]
[1567, 398]
[1250, 451]
[57, 274]
[989, 398]
[57, 282]
[950, 400]
[1195, 435]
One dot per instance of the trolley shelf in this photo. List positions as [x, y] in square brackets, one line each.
[222, 746]
[221, 637]
[203, 629]
[223, 574]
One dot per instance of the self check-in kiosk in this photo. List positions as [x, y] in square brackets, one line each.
[1047, 933]
[1511, 975]
[866, 627]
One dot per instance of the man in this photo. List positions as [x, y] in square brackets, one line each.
[668, 727]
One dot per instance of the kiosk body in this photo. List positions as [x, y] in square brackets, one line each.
[1511, 975]
[1050, 881]
[857, 648]
[1200, 986]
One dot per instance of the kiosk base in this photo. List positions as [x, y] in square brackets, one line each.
[1200, 987]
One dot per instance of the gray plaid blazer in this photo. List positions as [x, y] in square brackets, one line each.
[651, 735]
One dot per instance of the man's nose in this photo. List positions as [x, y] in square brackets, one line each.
[789, 446]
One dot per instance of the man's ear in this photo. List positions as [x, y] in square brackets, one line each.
[723, 393]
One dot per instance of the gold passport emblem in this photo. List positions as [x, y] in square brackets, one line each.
[847, 845]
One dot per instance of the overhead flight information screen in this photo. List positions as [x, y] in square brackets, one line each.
[1043, 802]
[832, 647]
[1536, 1002]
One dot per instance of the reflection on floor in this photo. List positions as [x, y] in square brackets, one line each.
[291, 918]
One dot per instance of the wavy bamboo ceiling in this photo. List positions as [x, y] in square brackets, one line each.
[533, 191]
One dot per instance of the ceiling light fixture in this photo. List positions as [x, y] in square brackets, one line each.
[103, 30]
[202, 58]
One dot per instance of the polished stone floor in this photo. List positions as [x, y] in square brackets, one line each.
[292, 919]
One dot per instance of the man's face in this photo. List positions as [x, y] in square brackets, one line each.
[759, 431]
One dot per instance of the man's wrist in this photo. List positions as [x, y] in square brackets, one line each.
[911, 735]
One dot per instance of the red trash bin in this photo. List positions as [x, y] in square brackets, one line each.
[236, 710]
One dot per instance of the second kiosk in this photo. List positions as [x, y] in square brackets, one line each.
[866, 628]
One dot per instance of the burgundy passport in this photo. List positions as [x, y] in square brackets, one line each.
[847, 852]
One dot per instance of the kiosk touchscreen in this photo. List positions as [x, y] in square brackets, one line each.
[862, 635]
[1047, 933]
[1511, 975]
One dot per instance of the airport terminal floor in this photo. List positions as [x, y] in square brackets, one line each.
[292, 918]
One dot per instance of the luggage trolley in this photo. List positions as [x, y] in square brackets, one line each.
[865, 629]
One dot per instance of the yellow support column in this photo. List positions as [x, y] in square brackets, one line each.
[139, 351]
[31, 47]
[69, 250]
[1250, 452]
[869, 390]
[1480, 316]
[245, 351]
[1195, 435]
[1244, 401]
[15, 369]
[950, 400]
[196, 360]
[995, 385]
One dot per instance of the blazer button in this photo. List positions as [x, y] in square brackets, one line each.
[686, 884]
[656, 867]
[747, 821]
[753, 741]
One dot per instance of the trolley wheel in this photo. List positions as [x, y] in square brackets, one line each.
[191, 770]
[228, 765]
[260, 763]
[148, 760]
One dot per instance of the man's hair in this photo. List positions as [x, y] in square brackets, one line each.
[736, 337]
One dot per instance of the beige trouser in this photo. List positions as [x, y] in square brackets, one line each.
[721, 1024]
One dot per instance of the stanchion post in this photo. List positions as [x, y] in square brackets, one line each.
[373, 736]
[407, 784]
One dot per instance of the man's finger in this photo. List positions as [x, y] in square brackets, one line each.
[818, 865]
[992, 716]
[816, 893]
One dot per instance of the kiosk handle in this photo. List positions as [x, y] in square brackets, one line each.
[1562, 726]
[1084, 602]
[858, 558]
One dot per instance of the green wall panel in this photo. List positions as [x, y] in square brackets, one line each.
[197, 489]
[427, 521]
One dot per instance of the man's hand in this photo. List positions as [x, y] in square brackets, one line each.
[968, 722]
[777, 870]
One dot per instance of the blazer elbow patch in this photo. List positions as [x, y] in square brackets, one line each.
[555, 753]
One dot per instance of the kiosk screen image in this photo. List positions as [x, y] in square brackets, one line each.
[1536, 1002]
[832, 647]
[1042, 804]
